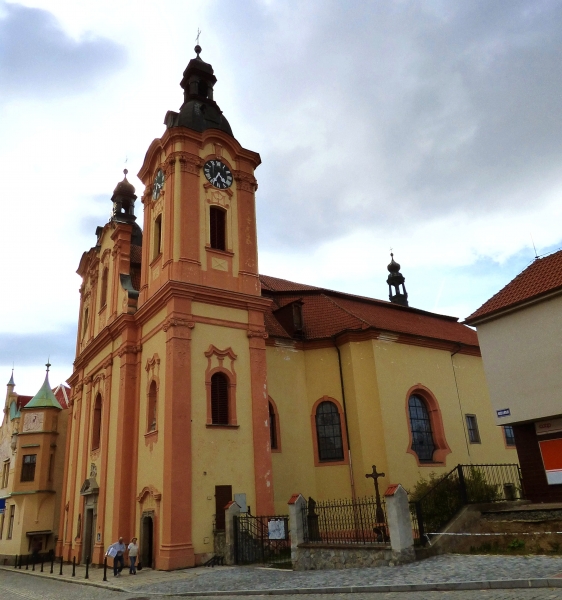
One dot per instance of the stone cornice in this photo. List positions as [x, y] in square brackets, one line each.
[199, 293]
[362, 335]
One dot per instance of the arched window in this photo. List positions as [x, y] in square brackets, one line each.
[157, 248]
[85, 323]
[103, 297]
[152, 406]
[96, 426]
[328, 432]
[420, 424]
[217, 218]
[219, 399]
[273, 427]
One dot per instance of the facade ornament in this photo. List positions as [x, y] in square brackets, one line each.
[245, 181]
[107, 362]
[176, 322]
[129, 349]
[189, 163]
[93, 471]
[170, 166]
[257, 334]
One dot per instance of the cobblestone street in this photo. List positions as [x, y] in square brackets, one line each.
[14, 586]
[447, 569]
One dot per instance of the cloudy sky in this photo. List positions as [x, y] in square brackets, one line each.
[430, 127]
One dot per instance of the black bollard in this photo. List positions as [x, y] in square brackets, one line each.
[74, 566]
[52, 562]
[33, 562]
[42, 561]
[60, 572]
[105, 569]
[87, 566]
[27, 562]
[16, 563]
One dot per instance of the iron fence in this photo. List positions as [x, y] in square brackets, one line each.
[465, 484]
[347, 521]
[262, 539]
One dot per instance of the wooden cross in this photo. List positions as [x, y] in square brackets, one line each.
[198, 34]
[379, 511]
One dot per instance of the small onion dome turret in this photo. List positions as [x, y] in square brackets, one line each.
[124, 201]
[396, 289]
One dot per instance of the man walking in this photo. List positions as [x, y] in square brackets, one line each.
[117, 551]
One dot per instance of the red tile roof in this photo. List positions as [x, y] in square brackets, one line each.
[62, 394]
[541, 277]
[327, 313]
[23, 400]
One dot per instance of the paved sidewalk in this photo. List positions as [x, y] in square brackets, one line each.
[447, 572]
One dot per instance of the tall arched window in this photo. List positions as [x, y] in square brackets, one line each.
[157, 248]
[422, 436]
[273, 427]
[152, 406]
[96, 425]
[103, 297]
[328, 432]
[217, 218]
[219, 399]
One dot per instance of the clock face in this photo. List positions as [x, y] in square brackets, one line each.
[218, 174]
[158, 184]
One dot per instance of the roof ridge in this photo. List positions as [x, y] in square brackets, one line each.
[346, 310]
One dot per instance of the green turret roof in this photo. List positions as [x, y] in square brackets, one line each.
[44, 398]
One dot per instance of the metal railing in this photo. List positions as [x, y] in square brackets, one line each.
[346, 521]
[262, 539]
[465, 484]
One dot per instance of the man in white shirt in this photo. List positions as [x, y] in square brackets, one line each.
[117, 551]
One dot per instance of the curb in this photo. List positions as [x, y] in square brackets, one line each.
[499, 584]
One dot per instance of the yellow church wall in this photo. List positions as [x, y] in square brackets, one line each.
[221, 455]
[224, 313]
[323, 379]
[402, 368]
[293, 466]
[364, 414]
[150, 454]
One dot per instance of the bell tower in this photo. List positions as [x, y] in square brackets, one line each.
[200, 222]
[201, 316]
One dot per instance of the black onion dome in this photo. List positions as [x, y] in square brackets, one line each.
[124, 188]
[199, 111]
[393, 266]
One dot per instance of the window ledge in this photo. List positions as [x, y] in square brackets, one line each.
[151, 433]
[221, 426]
[156, 259]
[217, 251]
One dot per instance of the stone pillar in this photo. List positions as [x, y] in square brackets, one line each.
[296, 523]
[399, 524]
[231, 510]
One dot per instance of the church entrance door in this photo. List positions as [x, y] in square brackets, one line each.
[88, 551]
[147, 533]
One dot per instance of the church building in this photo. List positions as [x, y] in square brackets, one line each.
[197, 381]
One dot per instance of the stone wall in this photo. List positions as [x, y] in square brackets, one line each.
[310, 557]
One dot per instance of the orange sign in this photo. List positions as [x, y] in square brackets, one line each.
[551, 451]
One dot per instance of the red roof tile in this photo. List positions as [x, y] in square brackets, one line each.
[62, 394]
[327, 313]
[282, 285]
[542, 276]
[23, 400]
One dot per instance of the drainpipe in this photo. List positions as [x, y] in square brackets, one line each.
[351, 480]
[459, 348]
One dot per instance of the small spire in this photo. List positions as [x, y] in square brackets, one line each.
[396, 280]
[48, 365]
[125, 171]
[198, 51]
[11, 382]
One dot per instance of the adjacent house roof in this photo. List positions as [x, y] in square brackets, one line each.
[327, 313]
[541, 278]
